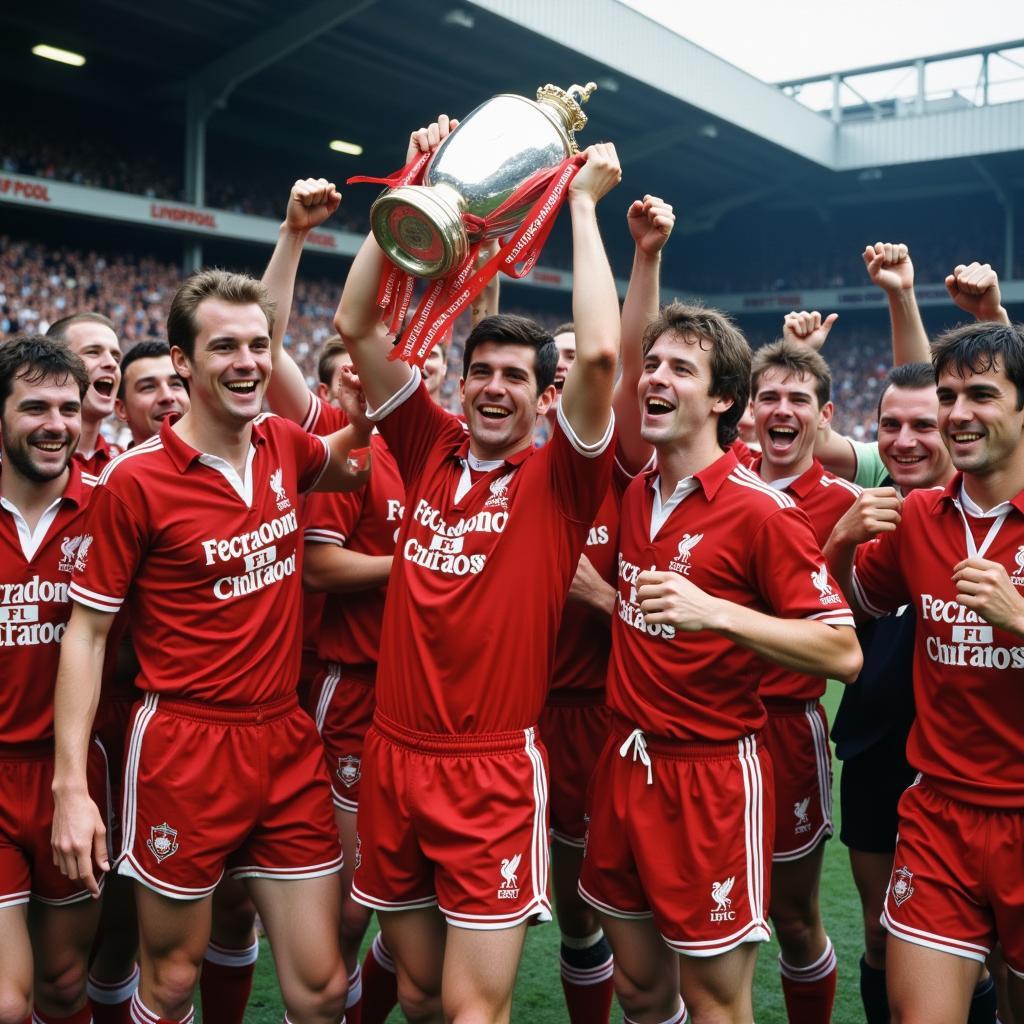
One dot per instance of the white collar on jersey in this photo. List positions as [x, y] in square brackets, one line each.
[242, 486]
[472, 463]
[972, 508]
[783, 482]
[31, 539]
[660, 512]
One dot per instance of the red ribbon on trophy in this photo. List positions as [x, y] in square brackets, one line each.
[447, 297]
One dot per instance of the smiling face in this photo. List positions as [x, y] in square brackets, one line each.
[500, 400]
[676, 404]
[231, 365]
[566, 345]
[979, 419]
[41, 424]
[97, 346]
[787, 418]
[152, 392]
[909, 441]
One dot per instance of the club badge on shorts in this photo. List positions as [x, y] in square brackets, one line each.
[162, 841]
[349, 770]
[902, 885]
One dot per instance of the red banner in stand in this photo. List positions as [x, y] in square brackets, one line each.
[449, 296]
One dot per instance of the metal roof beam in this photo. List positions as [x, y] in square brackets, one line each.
[217, 80]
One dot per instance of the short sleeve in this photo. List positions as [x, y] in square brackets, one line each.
[871, 471]
[310, 451]
[878, 582]
[413, 425]
[322, 417]
[331, 517]
[110, 553]
[581, 474]
[791, 572]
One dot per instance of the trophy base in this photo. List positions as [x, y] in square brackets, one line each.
[420, 230]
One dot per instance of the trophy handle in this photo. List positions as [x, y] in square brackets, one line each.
[569, 105]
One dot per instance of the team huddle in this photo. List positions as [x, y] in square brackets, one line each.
[357, 654]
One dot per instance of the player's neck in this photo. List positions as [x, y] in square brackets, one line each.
[682, 458]
[771, 471]
[486, 453]
[994, 488]
[89, 437]
[30, 497]
[213, 437]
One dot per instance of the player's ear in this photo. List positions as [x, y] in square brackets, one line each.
[825, 418]
[546, 399]
[182, 364]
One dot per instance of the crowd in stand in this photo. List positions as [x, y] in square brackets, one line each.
[40, 284]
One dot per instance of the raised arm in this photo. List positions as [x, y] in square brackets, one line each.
[310, 203]
[650, 223]
[832, 449]
[587, 394]
[888, 265]
[358, 318]
[79, 837]
[975, 289]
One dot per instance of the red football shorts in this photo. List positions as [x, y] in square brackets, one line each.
[677, 832]
[957, 883]
[210, 788]
[796, 736]
[454, 820]
[574, 733]
[342, 707]
[26, 818]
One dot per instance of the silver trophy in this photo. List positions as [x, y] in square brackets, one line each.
[475, 170]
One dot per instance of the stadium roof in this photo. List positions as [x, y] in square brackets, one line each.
[688, 125]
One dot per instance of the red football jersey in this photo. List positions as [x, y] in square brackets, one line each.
[211, 565]
[322, 417]
[826, 499]
[94, 464]
[482, 570]
[584, 638]
[968, 735]
[368, 521]
[35, 573]
[738, 539]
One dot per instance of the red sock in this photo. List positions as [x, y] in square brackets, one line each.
[380, 986]
[810, 991]
[586, 971]
[83, 1016]
[226, 982]
[111, 1001]
[142, 1014]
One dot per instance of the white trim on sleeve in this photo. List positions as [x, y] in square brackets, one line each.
[317, 536]
[590, 451]
[400, 396]
[101, 602]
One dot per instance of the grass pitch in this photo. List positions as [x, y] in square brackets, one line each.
[538, 994]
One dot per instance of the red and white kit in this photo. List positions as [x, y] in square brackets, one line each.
[94, 464]
[212, 561]
[796, 733]
[956, 883]
[35, 573]
[575, 722]
[486, 554]
[343, 698]
[684, 770]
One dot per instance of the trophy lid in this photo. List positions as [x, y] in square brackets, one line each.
[569, 105]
